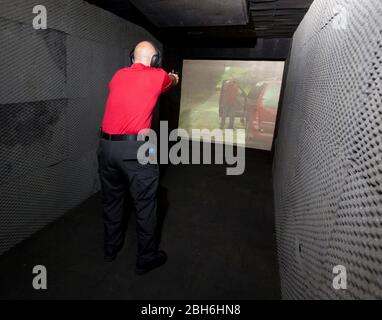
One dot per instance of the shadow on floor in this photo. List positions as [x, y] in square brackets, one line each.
[218, 232]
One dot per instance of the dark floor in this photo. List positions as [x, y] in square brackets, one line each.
[218, 232]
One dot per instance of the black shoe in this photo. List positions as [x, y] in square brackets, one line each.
[160, 260]
[110, 257]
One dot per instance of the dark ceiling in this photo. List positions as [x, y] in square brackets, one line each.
[210, 23]
[194, 13]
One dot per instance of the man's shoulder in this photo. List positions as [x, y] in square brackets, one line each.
[158, 71]
[121, 71]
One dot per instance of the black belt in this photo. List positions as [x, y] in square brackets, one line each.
[120, 137]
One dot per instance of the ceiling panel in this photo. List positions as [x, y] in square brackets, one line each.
[195, 13]
[212, 22]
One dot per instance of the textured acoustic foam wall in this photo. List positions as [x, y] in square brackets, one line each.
[328, 166]
[53, 87]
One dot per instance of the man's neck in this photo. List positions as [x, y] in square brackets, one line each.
[145, 63]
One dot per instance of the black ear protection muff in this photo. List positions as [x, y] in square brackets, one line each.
[156, 59]
[131, 56]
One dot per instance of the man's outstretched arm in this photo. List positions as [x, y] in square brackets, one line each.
[174, 77]
[171, 80]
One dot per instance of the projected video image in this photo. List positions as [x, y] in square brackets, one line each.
[232, 95]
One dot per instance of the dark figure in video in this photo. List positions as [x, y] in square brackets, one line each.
[229, 105]
[133, 94]
[227, 102]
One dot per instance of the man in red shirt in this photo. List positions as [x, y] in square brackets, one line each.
[133, 93]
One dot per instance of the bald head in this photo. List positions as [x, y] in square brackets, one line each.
[143, 53]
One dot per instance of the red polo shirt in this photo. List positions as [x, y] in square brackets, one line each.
[133, 93]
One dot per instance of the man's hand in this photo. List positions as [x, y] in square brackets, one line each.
[174, 77]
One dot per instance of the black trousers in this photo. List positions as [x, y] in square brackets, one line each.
[121, 173]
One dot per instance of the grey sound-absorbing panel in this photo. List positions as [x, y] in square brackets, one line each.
[53, 88]
[328, 166]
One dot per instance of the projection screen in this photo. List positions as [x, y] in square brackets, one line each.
[238, 95]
